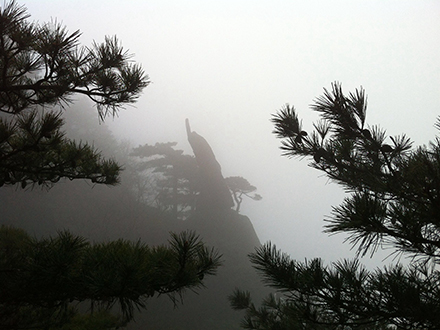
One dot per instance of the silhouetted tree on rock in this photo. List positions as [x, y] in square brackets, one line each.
[175, 180]
[240, 187]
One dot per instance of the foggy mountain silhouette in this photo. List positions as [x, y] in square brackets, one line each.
[219, 226]
[225, 229]
[101, 213]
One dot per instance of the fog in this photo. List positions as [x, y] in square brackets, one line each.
[228, 65]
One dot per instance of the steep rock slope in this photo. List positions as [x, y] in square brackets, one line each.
[234, 236]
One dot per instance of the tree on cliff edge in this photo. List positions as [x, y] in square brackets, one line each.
[176, 181]
[393, 200]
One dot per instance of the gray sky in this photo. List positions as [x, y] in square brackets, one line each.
[228, 65]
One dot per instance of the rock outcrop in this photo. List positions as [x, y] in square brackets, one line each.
[225, 229]
[214, 193]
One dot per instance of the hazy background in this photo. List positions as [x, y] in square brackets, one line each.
[228, 65]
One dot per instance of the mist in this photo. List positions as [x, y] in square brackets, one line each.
[229, 65]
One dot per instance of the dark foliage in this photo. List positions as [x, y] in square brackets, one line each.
[42, 66]
[44, 281]
[393, 200]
